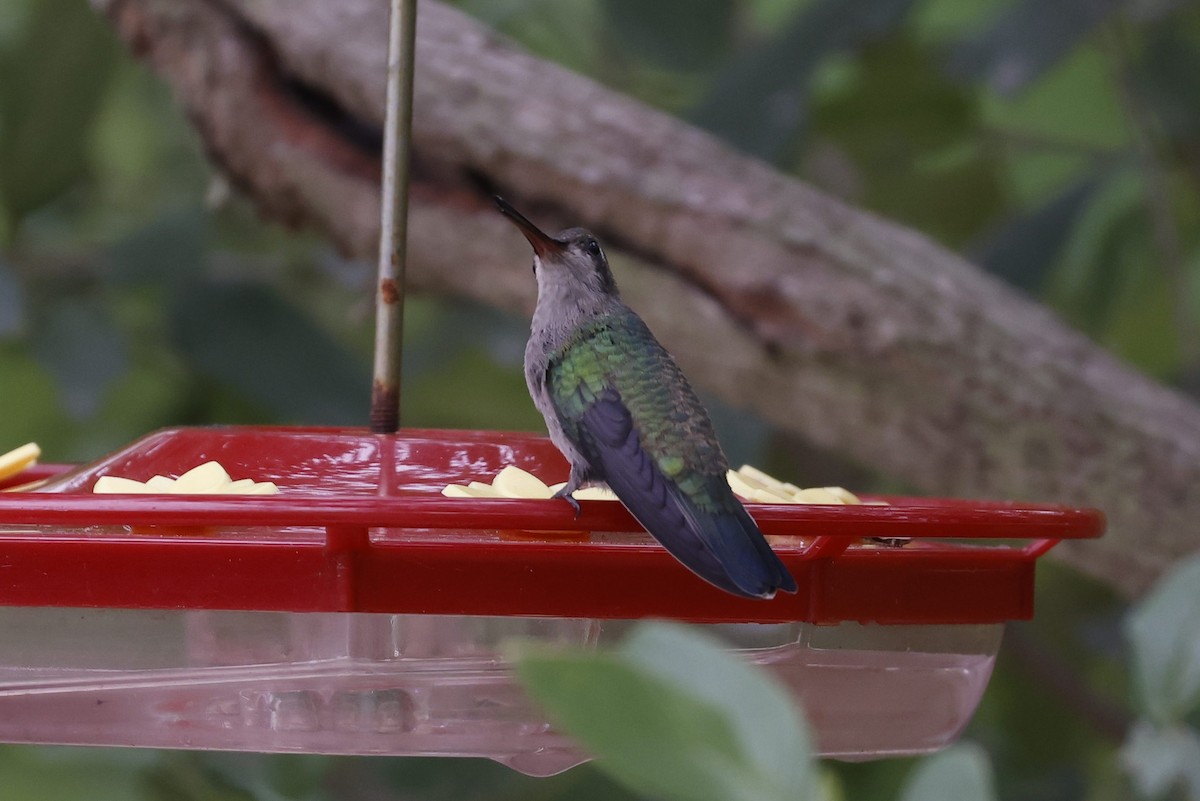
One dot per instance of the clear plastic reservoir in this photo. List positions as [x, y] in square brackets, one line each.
[356, 683]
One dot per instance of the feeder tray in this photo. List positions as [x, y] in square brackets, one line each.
[361, 612]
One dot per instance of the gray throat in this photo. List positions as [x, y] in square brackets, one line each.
[564, 304]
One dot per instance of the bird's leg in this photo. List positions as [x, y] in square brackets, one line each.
[573, 483]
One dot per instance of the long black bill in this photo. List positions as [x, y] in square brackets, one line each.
[542, 242]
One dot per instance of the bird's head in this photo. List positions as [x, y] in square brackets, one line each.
[573, 255]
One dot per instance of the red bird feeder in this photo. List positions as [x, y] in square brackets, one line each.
[359, 611]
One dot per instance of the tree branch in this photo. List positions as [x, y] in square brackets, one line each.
[860, 335]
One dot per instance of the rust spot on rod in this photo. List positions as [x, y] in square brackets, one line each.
[389, 291]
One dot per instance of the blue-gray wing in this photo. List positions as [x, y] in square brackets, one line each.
[722, 546]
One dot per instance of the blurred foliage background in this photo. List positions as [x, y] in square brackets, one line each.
[1054, 142]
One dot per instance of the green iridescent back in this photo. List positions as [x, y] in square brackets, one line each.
[617, 352]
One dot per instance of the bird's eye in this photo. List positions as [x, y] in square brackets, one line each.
[591, 246]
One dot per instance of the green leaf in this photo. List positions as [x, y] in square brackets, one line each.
[78, 343]
[66, 774]
[1025, 40]
[264, 777]
[960, 773]
[53, 87]
[1160, 760]
[672, 715]
[12, 302]
[468, 387]
[14, 21]
[1193, 278]
[442, 779]
[560, 30]
[679, 34]
[1023, 250]
[1164, 633]
[919, 159]
[249, 338]
[154, 392]
[1074, 111]
[1166, 86]
[913, 109]
[1166, 80]
[650, 736]
[1106, 248]
[1143, 328]
[760, 102]
[183, 776]
[759, 710]
[169, 248]
[34, 411]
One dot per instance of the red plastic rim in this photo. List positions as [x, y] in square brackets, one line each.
[360, 526]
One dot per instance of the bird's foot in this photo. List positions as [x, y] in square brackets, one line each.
[565, 494]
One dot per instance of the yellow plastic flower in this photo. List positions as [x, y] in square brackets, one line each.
[19, 460]
[209, 478]
[748, 482]
[513, 482]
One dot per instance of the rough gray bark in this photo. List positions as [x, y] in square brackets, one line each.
[860, 335]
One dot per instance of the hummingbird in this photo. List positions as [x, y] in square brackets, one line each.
[623, 414]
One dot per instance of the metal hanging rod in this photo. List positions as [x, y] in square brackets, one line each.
[393, 231]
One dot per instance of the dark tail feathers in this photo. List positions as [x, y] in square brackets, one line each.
[744, 563]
